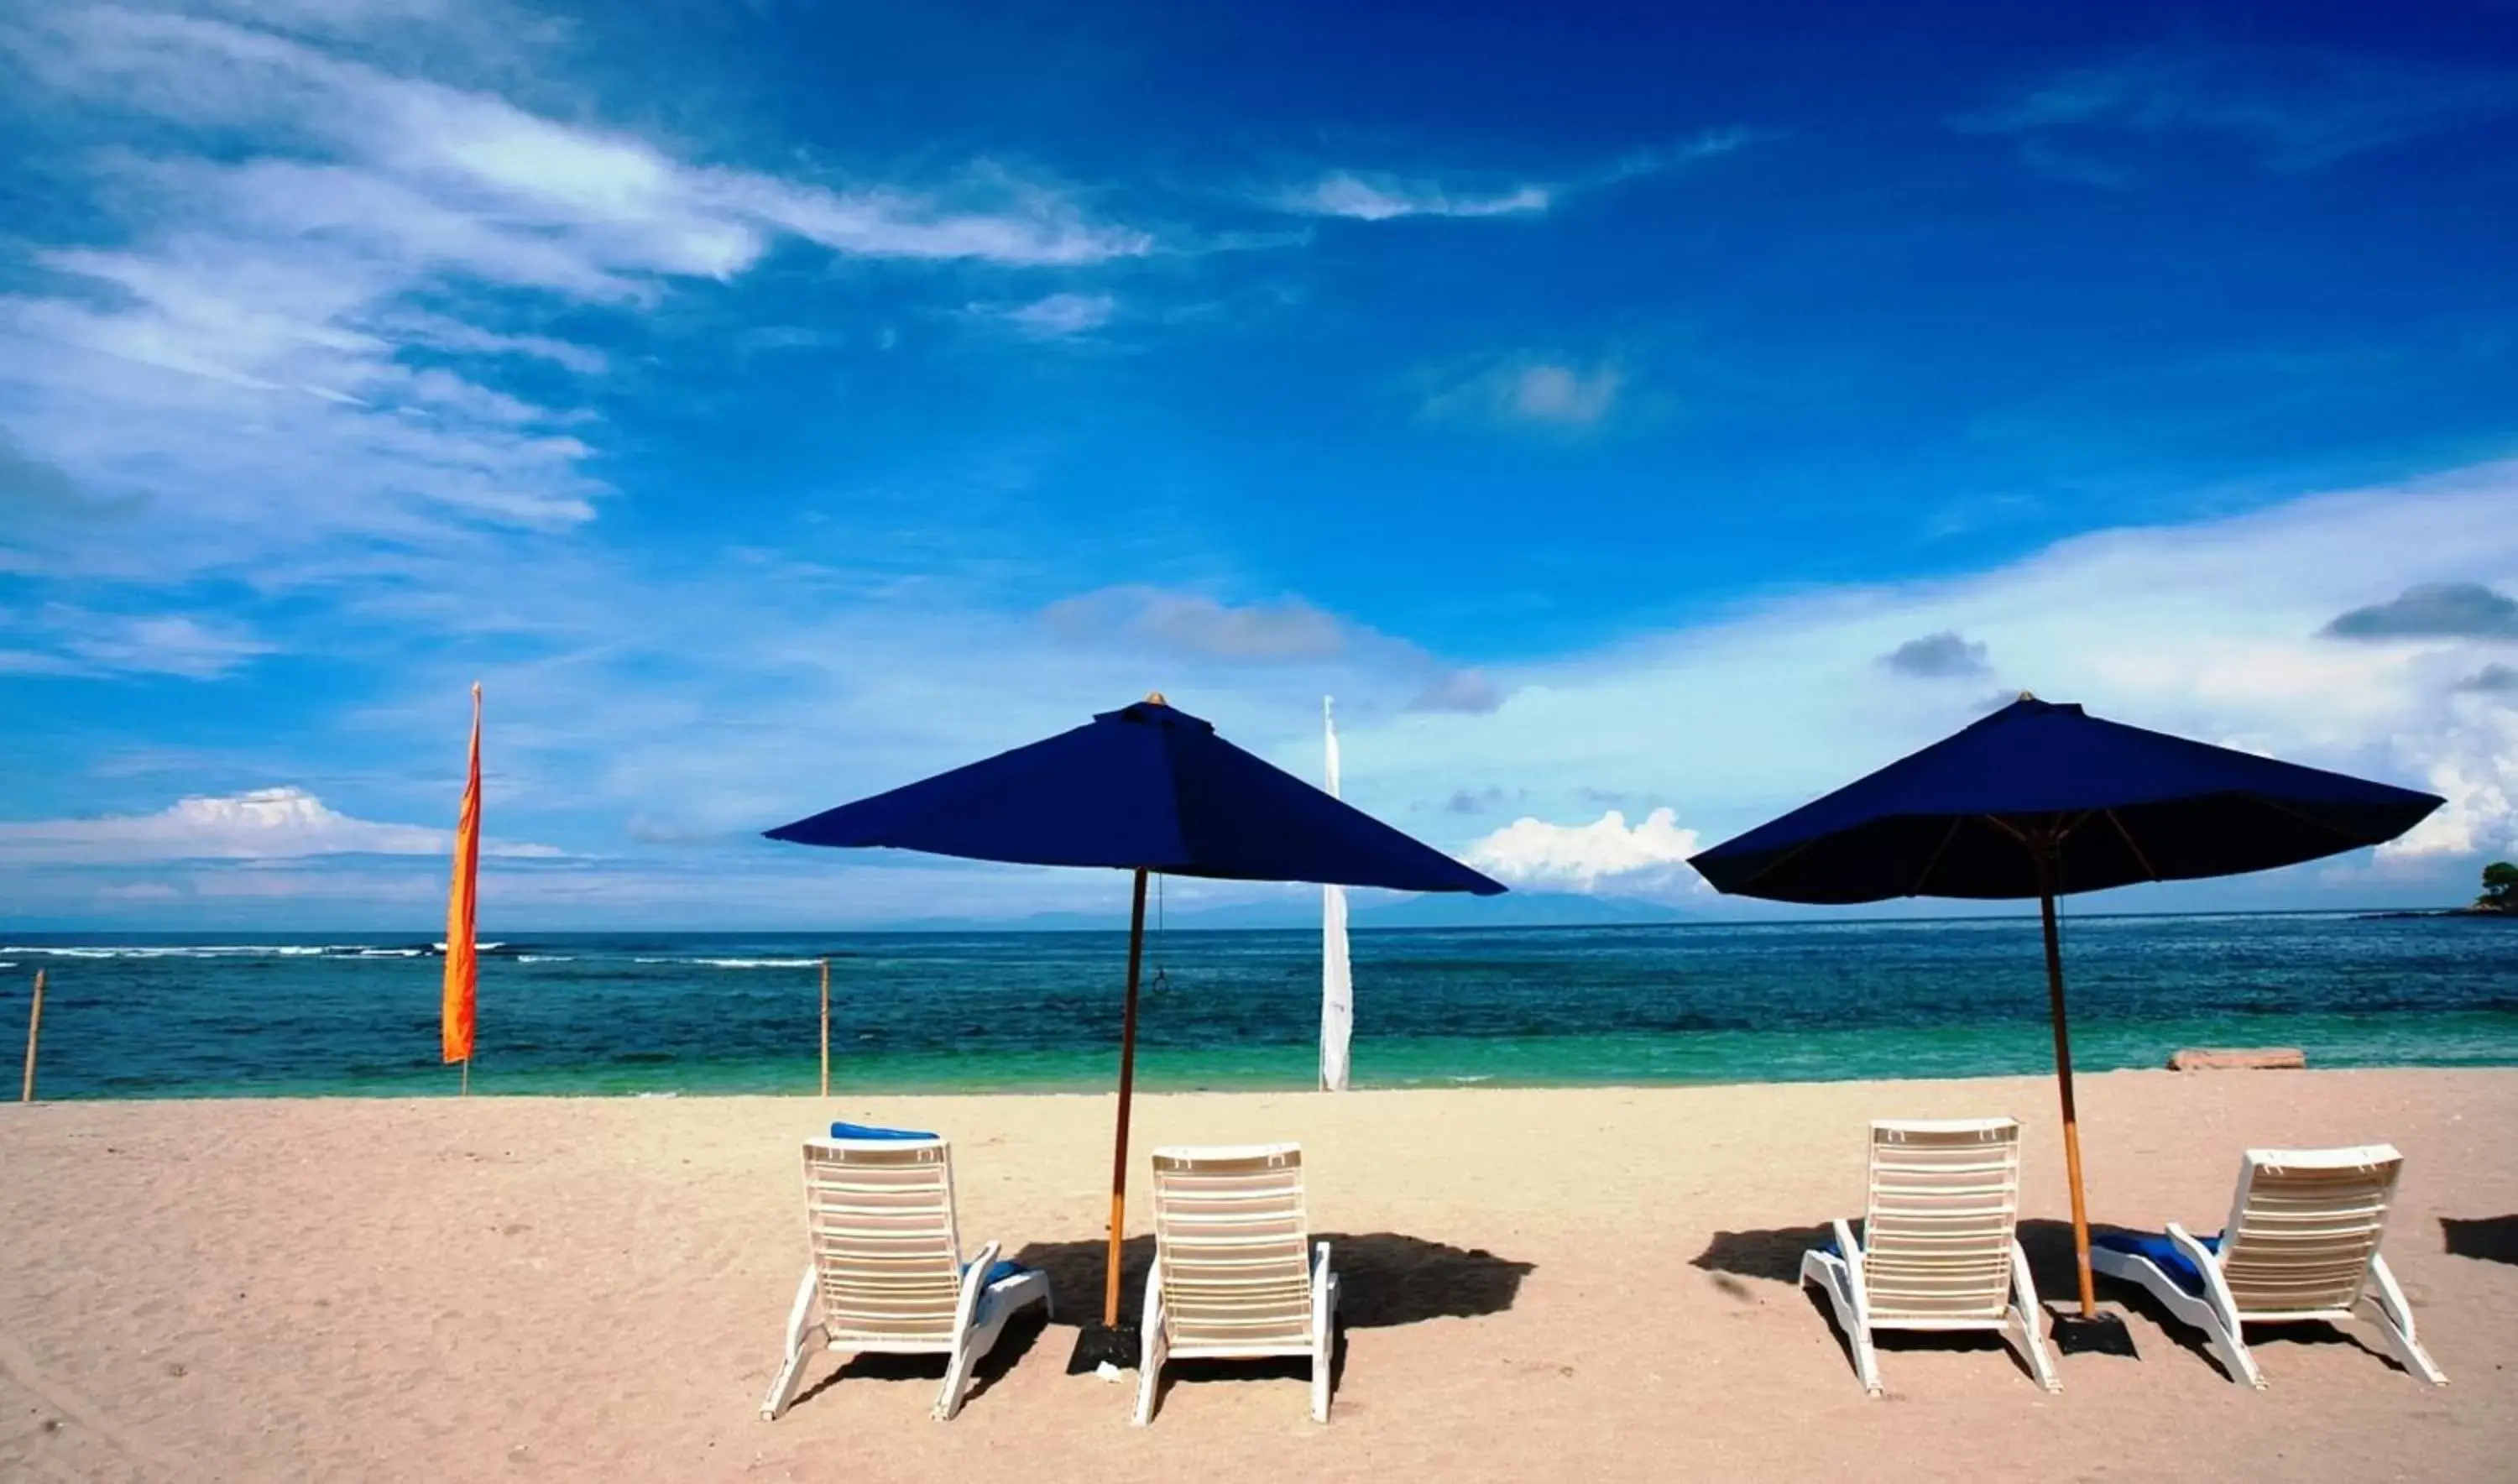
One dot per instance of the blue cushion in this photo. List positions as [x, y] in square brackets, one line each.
[869, 1131]
[1001, 1270]
[2162, 1253]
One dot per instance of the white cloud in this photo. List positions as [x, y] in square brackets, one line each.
[1193, 623]
[1470, 691]
[1602, 857]
[2209, 630]
[304, 332]
[1288, 633]
[1377, 198]
[2295, 108]
[439, 333]
[1564, 394]
[1532, 391]
[260, 824]
[162, 644]
[2472, 763]
[1369, 195]
[1055, 317]
[60, 639]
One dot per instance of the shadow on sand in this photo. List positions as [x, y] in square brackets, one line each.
[1384, 1279]
[1021, 1333]
[2486, 1238]
[1774, 1255]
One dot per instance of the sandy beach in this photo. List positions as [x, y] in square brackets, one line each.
[1549, 1284]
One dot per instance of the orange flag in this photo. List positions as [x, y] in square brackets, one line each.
[462, 968]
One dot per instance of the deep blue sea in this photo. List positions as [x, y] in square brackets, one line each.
[147, 1015]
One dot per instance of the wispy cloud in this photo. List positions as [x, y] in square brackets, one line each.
[1369, 195]
[2291, 109]
[1534, 391]
[1286, 631]
[1379, 197]
[1053, 317]
[167, 644]
[308, 330]
[59, 638]
[1468, 692]
[1193, 623]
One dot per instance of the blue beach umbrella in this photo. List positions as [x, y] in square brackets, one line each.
[1146, 788]
[2040, 800]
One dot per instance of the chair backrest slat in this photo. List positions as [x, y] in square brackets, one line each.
[2304, 1225]
[1945, 1203]
[1236, 1250]
[880, 1215]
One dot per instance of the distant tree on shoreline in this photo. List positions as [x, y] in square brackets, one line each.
[2499, 888]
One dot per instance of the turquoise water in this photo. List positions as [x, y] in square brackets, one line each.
[625, 1013]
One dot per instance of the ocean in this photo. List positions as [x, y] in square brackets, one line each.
[133, 1016]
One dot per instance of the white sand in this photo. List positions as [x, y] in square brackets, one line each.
[554, 1288]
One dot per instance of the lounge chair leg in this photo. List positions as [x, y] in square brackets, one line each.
[1153, 1348]
[1833, 1276]
[2033, 1345]
[2230, 1346]
[801, 1327]
[2396, 1322]
[1150, 1379]
[957, 1376]
[1866, 1361]
[2026, 1312]
[1324, 1347]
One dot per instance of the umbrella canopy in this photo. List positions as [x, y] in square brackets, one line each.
[2040, 800]
[2121, 805]
[1146, 788]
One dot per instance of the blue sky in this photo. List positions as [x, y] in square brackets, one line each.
[1628, 411]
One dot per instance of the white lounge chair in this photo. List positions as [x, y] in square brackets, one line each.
[2301, 1244]
[1233, 1273]
[1939, 1248]
[887, 1274]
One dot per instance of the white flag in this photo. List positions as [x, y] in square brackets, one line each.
[1337, 986]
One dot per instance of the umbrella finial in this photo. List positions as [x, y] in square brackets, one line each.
[2028, 695]
[1155, 698]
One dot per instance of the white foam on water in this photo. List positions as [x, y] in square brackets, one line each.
[195, 950]
[735, 963]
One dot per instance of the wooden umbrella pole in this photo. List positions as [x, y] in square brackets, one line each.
[1127, 1089]
[34, 1028]
[826, 1027]
[2063, 1076]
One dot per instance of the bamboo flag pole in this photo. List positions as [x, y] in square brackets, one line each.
[826, 1027]
[34, 1028]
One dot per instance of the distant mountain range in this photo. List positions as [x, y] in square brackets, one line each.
[1520, 909]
